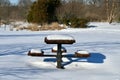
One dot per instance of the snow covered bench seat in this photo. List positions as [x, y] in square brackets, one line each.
[35, 52]
[82, 53]
[63, 49]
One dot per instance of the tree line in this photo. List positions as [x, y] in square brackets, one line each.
[46, 11]
[94, 10]
[12, 12]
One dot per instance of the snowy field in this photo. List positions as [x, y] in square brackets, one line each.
[101, 40]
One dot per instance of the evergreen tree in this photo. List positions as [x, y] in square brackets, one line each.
[51, 9]
[43, 11]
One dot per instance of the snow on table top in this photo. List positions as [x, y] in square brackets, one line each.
[59, 37]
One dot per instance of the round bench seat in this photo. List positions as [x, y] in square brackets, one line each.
[81, 53]
[35, 52]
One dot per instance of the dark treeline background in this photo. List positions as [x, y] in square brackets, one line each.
[12, 12]
[95, 10]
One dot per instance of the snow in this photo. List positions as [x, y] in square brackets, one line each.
[101, 40]
[55, 48]
[35, 51]
[59, 37]
[82, 52]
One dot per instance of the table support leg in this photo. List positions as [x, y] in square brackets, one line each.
[59, 56]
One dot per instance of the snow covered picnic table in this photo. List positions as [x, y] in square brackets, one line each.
[59, 49]
[59, 40]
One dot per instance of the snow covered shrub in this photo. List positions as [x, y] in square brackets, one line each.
[33, 27]
[52, 26]
[55, 26]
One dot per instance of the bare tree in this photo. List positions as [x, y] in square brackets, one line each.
[4, 2]
[23, 6]
[93, 2]
[4, 10]
[69, 9]
[112, 7]
[24, 2]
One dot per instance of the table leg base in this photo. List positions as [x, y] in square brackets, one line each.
[62, 67]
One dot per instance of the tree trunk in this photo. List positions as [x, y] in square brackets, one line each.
[111, 10]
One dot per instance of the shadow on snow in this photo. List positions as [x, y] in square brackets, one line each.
[94, 58]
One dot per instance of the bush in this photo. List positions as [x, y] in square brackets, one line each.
[75, 22]
[33, 27]
[52, 26]
[119, 20]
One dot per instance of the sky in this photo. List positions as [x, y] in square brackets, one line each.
[14, 1]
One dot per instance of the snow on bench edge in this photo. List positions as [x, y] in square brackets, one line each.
[36, 51]
[82, 52]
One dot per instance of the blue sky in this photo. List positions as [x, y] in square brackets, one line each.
[14, 1]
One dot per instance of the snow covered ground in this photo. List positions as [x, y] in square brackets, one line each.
[102, 40]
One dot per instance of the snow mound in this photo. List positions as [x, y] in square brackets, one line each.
[43, 65]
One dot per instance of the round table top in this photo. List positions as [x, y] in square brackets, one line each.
[59, 39]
